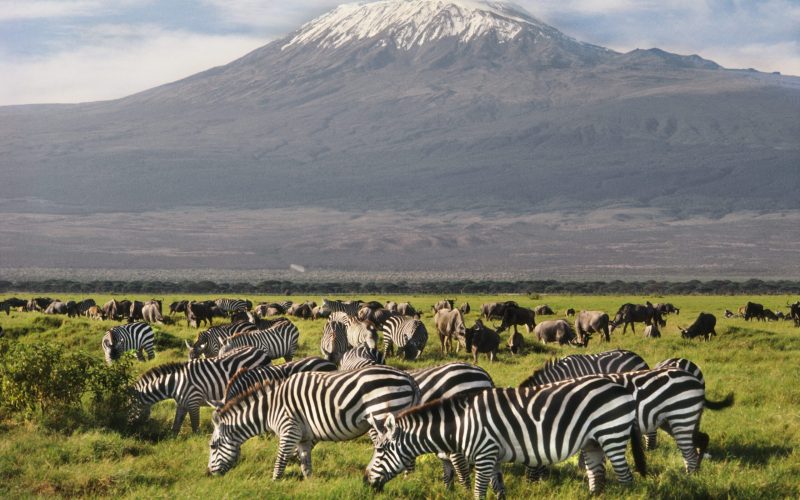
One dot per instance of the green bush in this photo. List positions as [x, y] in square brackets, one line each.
[64, 391]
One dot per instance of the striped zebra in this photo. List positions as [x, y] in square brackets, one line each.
[358, 331]
[670, 398]
[492, 426]
[210, 341]
[447, 381]
[360, 357]
[246, 377]
[137, 337]
[685, 365]
[334, 341]
[279, 341]
[578, 365]
[306, 408]
[232, 305]
[192, 383]
[409, 335]
[349, 308]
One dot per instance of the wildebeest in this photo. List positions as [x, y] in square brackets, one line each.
[178, 307]
[449, 324]
[135, 313]
[651, 331]
[769, 315]
[300, 310]
[95, 312]
[480, 339]
[515, 343]
[38, 303]
[464, 308]
[13, 303]
[794, 313]
[151, 313]
[445, 304]
[558, 330]
[406, 309]
[117, 309]
[495, 310]
[667, 308]
[56, 307]
[588, 322]
[729, 313]
[197, 313]
[570, 312]
[753, 310]
[514, 316]
[391, 305]
[543, 310]
[84, 306]
[703, 325]
[628, 314]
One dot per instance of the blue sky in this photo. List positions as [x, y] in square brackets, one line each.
[86, 50]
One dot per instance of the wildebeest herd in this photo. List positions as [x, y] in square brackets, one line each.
[453, 410]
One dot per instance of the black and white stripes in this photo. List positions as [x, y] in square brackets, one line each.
[408, 335]
[278, 341]
[137, 337]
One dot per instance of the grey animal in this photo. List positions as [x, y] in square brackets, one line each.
[588, 322]
[449, 324]
[558, 330]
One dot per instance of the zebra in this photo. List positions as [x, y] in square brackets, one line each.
[306, 408]
[279, 341]
[349, 308]
[232, 305]
[246, 377]
[334, 340]
[578, 365]
[192, 383]
[408, 334]
[446, 381]
[358, 331]
[137, 337]
[526, 426]
[359, 357]
[685, 365]
[668, 397]
[210, 341]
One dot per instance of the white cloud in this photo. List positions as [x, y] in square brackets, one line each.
[11, 10]
[120, 61]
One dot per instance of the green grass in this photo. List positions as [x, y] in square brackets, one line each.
[754, 444]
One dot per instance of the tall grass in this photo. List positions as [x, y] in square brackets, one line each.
[754, 444]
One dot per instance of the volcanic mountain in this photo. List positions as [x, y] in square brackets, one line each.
[430, 106]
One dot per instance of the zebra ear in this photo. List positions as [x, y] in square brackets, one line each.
[188, 344]
[378, 426]
[390, 425]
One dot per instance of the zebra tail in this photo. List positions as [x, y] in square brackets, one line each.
[719, 405]
[639, 459]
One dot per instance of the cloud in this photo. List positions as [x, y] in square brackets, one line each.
[11, 10]
[116, 61]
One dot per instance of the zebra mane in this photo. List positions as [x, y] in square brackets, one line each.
[160, 370]
[438, 403]
[257, 387]
[235, 376]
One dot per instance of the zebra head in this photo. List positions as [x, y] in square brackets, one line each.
[223, 451]
[195, 350]
[388, 459]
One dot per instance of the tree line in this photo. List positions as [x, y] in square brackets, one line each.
[282, 287]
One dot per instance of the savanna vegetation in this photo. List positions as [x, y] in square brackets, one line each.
[62, 434]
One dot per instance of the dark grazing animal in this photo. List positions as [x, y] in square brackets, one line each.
[589, 322]
[495, 310]
[515, 315]
[84, 306]
[515, 343]
[178, 307]
[336, 410]
[666, 308]
[769, 315]
[135, 313]
[754, 310]
[480, 339]
[137, 337]
[628, 314]
[444, 304]
[198, 313]
[570, 312]
[794, 313]
[532, 427]
[151, 312]
[652, 331]
[406, 309]
[449, 325]
[13, 303]
[543, 310]
[465, 309]
[729, 313]
[191, 384]
[38, 303]
[56, 307]
[702, 326]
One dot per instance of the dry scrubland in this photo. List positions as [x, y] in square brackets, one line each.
[753, 444]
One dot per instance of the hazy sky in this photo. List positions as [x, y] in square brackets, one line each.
[86, 50]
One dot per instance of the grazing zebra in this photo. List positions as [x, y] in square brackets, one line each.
[668, 397]
[210, 341]
[334, 341]
[447, 381]
[408, 334]
[246, 377]
[526, 426]
[232, 305]
[685, 365]
[578, 365]
[306, 408]
[360, 357]
[192, 383]
[279, 341]
[137, 337]
[358, 331]
[349, 308]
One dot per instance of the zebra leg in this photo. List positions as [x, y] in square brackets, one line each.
[194, 418]
[448, 473]
[701, 441]
[180, 414]
[684, 437]
[498, 485]
[140, 355]
[651, 440]
[595, 467]
[536, 473]
[304, 454]
[461, 466]
[484, 471]
[615, 449]
[286, 447]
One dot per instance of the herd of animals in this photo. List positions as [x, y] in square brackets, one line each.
[591, 404]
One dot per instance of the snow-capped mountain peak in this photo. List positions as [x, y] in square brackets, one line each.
[409, 23]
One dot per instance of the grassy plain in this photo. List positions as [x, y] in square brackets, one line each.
[754, 445]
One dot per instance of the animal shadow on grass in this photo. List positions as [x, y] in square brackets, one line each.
[751, 453]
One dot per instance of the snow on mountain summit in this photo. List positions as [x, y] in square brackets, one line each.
[409, 23]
